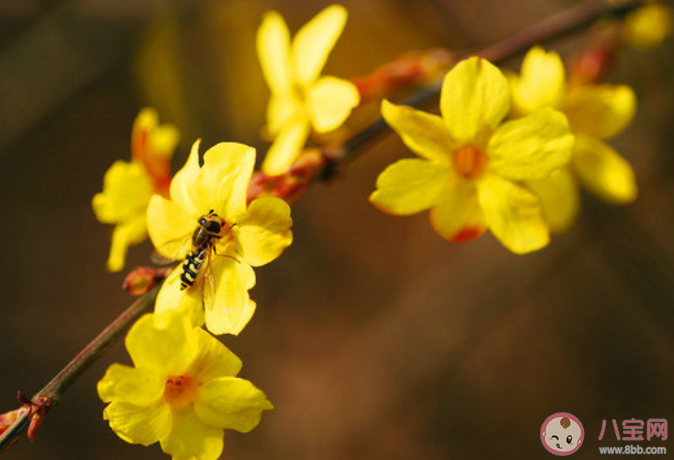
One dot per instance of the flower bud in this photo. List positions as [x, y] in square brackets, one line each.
[141, 279]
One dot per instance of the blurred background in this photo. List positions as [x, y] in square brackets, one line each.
[374, 338]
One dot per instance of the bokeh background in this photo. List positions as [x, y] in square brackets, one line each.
[374, 338]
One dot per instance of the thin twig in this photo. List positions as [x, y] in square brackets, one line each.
[54, 390]
[557, 26]
[554, 27]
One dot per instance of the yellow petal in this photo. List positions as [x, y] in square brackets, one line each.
[214, 359]
[648, 25]
[164, 140]
[600, 111]
[171, 300]
[603, 171]
[170, 228]
[559, 198]
[514, 215]
[126, 192]
[139, 424]
[123, 236]
[273, 50]
[283, 111]
[314, 41]
[183, 190]
[146, 120]
[410, 186]
[230, 309]
[231, 403]
[425, 134]
[148, 133]
[541, 83]
[223, 180]
[532, 147]
[130, 385]
[192, 439]
[475, 98]
[457, 216]
[286, 147]
[263, 232]
[220, 185]
[167, 350]
[330, 101]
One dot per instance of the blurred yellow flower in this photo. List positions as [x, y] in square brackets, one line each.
[182, 391]
[595, 113]
[128, 186]
[301, 99]
[217, 281]
[649, 25]
[473, 164]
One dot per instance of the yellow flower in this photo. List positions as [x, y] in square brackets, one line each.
[251, 235]
[595, 113]
[473, 164]
[128, 186]
[649, 25]
[182, 391]
[300, 98]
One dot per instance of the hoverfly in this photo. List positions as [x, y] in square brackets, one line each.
[211, 228]
[196, 266]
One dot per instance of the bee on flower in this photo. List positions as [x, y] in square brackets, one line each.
[181, 392]
[473, 163]
[301, 99]
[128, 185]
[595, 113]
[208, 225]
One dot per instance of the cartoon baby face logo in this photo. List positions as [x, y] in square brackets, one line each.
[562, 433]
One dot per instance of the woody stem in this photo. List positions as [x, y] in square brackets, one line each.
[554, 27]
[54, 390]
[557, 26]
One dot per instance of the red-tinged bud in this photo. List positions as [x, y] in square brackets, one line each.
[154, 156]
[37, 409]
[308, 166]
[8, 418]
[409, 70]
[141, 279]
[262, 184]
[37, 416]
[592, 64]
[291, 185]
[35, 423]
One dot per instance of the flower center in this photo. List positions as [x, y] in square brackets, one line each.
[470, 162]
[180, 391]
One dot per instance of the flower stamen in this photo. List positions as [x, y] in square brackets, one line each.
[469, 162]
[179, 391]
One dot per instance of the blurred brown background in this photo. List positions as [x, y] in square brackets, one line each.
[374, 338]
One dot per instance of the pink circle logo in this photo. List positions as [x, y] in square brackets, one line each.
[562, 433]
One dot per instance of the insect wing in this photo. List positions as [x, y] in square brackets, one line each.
[206, 280]
[172, 250]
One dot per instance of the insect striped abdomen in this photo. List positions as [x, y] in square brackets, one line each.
[193, 263]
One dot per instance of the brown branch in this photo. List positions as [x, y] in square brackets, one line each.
[326, 162]
[306, 171]
[554, 27]
[51, 394]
